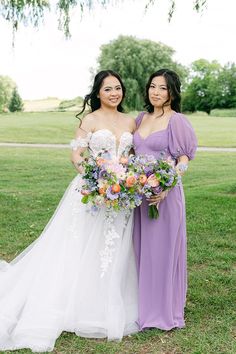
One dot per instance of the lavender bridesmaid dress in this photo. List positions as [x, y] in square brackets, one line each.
[160, 245]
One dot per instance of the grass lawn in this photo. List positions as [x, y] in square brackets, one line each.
[59, 127]
[34, 180]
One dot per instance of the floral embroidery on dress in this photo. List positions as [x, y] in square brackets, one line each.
[110, 235]
[81, 142]
[103, 140]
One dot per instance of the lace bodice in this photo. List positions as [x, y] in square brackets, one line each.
[104, 140]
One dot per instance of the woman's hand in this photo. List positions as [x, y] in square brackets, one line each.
[156, 199]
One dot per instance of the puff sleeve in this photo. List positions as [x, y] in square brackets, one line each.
[80, 142]
[182, 138]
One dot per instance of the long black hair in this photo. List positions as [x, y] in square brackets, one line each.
[92, 99]
[173, 86]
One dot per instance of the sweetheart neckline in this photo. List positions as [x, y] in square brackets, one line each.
[108, 130]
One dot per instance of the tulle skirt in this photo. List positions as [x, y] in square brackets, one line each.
[78, 276]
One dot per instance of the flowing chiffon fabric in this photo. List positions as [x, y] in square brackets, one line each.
[160, 244]
[57, 283]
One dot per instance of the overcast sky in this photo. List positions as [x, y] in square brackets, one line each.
[45, 64]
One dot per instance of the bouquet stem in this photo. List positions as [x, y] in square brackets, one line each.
[153, 212]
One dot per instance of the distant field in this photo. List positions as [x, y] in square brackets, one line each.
[214, 131]
[59, 127]
[42, 127]
[231, 112]
[43, 105]
[51, 104]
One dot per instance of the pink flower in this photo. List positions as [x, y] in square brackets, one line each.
[153, 181]
[85, 192]
[130, 181]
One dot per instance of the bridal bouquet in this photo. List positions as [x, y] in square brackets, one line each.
[155, 176]
[121, 183]
[110, 182]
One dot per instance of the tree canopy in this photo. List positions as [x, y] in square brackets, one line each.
[7, 86]
[16, 103]
[33, 11]
[135, 60]
[210, 86]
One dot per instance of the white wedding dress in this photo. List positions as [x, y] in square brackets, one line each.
[78, 276]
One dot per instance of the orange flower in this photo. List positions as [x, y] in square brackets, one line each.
[130, 181]
[124, 160]
[115, 188]
[100, 161]
[102, 191]
[142, 179]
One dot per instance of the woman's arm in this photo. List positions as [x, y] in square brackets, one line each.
[81, 142]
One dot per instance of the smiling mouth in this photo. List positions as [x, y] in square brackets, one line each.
[156, 98]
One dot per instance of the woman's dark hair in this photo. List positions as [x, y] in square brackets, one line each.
[92, 98]
[173, 85]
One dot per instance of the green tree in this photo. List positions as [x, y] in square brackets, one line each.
[33, 11]
[203, 90]
[6, 88]
[227, 86]
[16, 103]
[135, 59]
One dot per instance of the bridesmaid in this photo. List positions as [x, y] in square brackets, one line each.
[160, 244]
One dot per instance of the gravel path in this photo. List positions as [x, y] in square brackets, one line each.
[66, 146]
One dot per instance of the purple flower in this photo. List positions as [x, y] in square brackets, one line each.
[102, 173]
[148, 171]
[170, 182]
[157, 190]
[110, 195]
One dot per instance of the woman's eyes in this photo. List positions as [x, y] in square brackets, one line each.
[109, 89]
[160, 87]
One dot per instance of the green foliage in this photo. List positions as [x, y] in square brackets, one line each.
[7, 86]
[210, 86]
[135, 59]
[16, 103]
[227, 87]
[23, 11]
[33, 11]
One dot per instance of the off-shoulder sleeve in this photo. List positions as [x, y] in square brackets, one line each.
[182, 138]
[80, 142]
[138, 119]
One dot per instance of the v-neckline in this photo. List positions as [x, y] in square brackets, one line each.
[156, 131]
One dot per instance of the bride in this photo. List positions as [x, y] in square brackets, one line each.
[79, 275]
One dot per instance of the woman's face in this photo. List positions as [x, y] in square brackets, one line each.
[110, 93]
[158, 92]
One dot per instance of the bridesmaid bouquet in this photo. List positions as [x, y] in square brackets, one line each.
[110, 182]
[155, 176]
